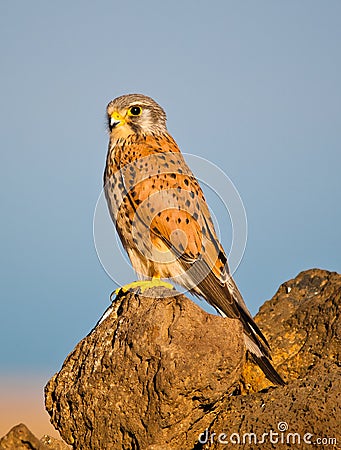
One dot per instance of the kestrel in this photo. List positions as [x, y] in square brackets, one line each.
[163, 220]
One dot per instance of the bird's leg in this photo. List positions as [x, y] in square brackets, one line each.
[143, 285]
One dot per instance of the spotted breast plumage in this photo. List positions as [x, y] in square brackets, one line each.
[162, 218]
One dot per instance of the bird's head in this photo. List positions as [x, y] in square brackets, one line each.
[134, 114]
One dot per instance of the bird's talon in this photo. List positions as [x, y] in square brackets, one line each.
[142, 285]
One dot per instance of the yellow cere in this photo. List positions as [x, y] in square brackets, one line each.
[115, 116]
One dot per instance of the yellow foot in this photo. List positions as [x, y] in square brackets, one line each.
[143, 285]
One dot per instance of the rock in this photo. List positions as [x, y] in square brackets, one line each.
[302, 323]
[21, 438]
[151, 375]
[305, 410]
[160, 373]
[53, 444]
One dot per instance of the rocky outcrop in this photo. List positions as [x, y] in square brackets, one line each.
[301, 415]
[151, 375]
[160, 373]
[21, 438]
[302, 322]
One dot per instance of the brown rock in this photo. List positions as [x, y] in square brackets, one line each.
[302, 323]
[151, 375]
[158, 374]
[21, 438]
[53, 444]
[308, 408]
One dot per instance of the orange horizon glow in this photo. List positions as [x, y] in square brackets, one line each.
[22, 401]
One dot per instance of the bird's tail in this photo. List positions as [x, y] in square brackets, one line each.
[228, 301]
[264, 363]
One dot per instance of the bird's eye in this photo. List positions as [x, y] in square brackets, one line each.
[135, 111]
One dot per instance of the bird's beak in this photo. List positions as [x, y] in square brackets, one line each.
[116, 120]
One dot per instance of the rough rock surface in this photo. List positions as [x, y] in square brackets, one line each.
[151, 375]
[21, 438]
[309, 408]
[303, 325]
[53, 444]
[158, 374]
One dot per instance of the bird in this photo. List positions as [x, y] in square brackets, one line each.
[163, 220]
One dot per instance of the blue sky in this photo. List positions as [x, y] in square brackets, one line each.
[253, 87]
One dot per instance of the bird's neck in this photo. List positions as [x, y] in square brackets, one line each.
[137, 145]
